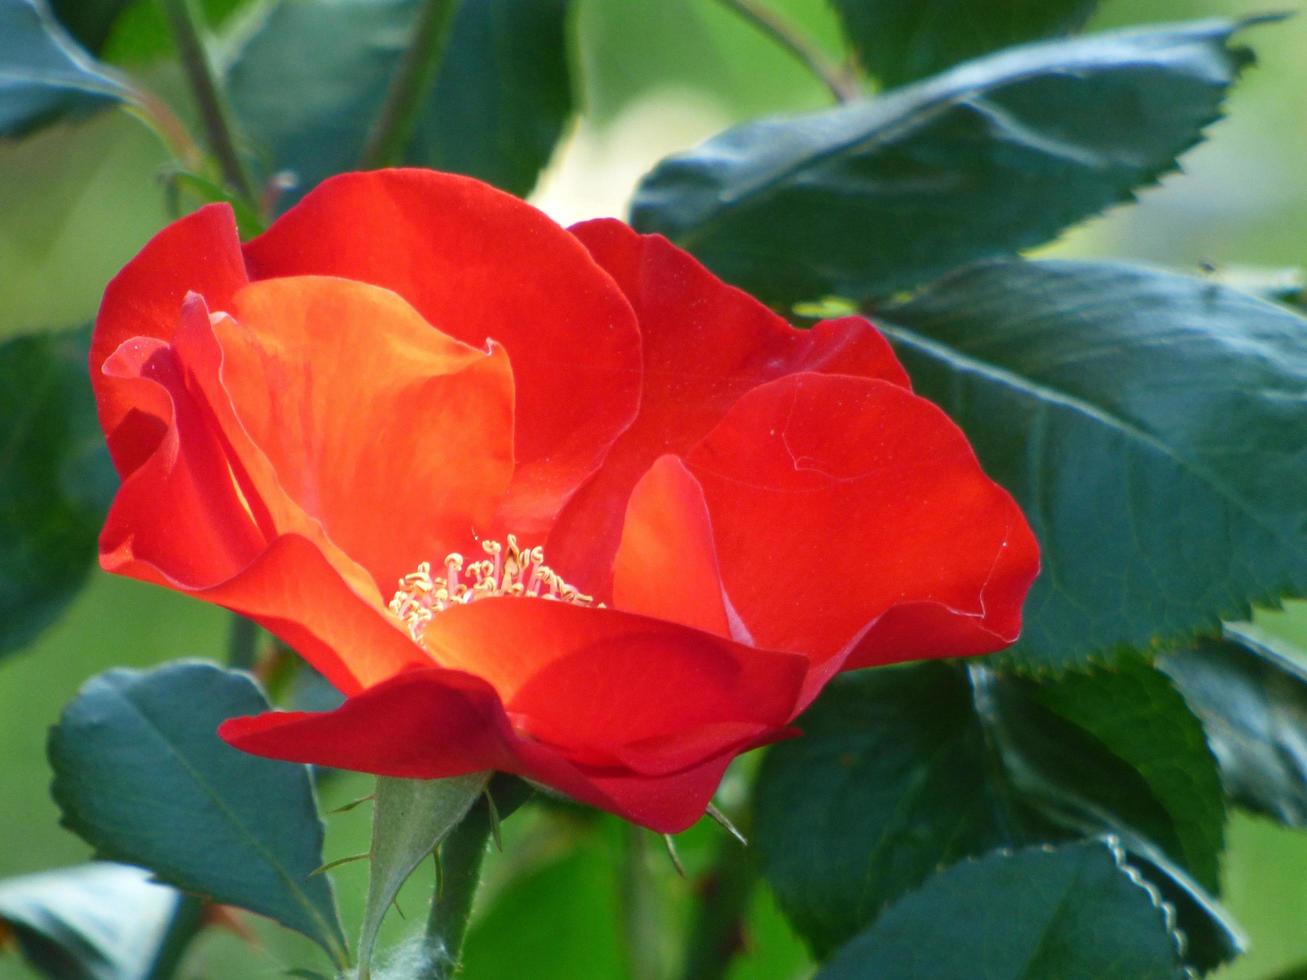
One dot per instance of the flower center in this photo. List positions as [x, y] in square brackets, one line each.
[510, 571]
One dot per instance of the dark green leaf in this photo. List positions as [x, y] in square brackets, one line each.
[1125, 740]
[142, 776]
[1151, 426]
[893, 777]
[903, 40]
[55, 480]
[43, 72]
[496, 109]
[903, 770]
[1075, 912]
[997, 155]
[1252, 697]
[88, 21]
[90, 922]
[503, 94]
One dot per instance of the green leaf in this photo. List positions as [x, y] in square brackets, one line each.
[893, 777]
[140, 34]
[497, 107]
[903, 40]
[1251, 694]
[90, 922]
[409, 820]
[995, 156]
[1075, 912]
[142, 776]
[904, 770]
[499, 122]
[1125, 739]
[89, 21]
[55, 480]
[1151, 427]
[43, 71]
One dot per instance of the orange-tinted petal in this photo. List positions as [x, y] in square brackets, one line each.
[836, 500]
[705, 345]
[200, 253]
[430, 724]
[607, 686]
[395, 437]
[197, 516]
[666, 564]
[479, 264]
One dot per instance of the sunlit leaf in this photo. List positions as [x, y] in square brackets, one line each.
[43, 72]
[89, 922]
[995, 156]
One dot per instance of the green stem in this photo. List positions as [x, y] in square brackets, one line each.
[199, 73]
[639, 907]
[718, 924]
[460, 872]
[187, 920]
[242, 642]
[408, 90]
[841, 85]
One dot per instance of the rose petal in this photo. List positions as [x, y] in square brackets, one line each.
[666, 564]
[201, 253]
[835, 500]
[431, 724]
[479, 264]
[395, 437]
[705, 345]
[591, 681]
[191, 518]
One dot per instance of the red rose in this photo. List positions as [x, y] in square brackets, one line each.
[410, 365]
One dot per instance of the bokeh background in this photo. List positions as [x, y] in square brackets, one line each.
[77, 200]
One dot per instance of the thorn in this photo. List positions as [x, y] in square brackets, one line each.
[494, 822]
[395, 902]
[352, 804]
[440, 874]
[725, 822]
[338, 862]
[671, 853]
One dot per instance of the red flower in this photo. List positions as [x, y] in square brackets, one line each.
[409, 365]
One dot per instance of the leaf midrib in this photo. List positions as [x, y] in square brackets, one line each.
[301, 898]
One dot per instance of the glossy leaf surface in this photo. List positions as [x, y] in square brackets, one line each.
[1075, 912]
[905, 770]
[1150, 425]
[43, 71]
[142, 776]
[1251, 693]
[997, 155]
[90, 922]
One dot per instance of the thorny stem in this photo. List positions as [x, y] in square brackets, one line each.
[843, 87]
[461, 855]
[410, 86]
[195, 62]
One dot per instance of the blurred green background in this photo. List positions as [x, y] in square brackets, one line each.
[77, 200]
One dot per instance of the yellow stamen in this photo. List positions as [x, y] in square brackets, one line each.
[503, 572]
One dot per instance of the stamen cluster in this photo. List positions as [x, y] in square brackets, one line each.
[511, 571]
